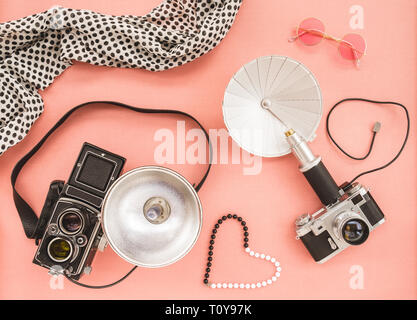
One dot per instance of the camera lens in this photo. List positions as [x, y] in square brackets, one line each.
[355, 231]
[71, 222]
[59, 250]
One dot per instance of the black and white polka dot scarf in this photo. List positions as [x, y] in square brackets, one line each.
[36, 49]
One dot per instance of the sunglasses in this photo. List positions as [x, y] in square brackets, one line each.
[311, 32]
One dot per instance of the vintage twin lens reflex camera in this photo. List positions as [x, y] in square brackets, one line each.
[349, 213]
[73, 231]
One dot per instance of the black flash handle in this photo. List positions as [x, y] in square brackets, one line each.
[313, 169]
[322, 183]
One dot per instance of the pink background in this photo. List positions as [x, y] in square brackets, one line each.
[269, 201]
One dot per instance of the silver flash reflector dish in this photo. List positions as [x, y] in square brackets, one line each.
[267, 97]
[152, 216]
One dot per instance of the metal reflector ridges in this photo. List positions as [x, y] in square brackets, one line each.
[265, 98]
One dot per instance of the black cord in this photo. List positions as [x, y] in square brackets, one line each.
[375, 130]
[27, 215]
[102, 286]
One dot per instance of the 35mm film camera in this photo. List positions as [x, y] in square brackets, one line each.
[349, 213]
[71, 213]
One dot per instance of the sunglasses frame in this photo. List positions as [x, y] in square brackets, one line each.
[326, 36]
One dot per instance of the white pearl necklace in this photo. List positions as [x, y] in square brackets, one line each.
[229, 285]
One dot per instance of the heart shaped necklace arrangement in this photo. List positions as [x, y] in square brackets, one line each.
[235, 285]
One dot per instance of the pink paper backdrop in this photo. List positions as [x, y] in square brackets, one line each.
[269, 201]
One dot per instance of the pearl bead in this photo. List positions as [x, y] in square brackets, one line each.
[225, 285]
[213, 285]
[277, 264]
[258, 285]
[253, 286]
[268, 258]
[241, 286]
[219, 285]
[262, 256]
[247, 249]
[274, 279]
[247, 286]
[273, 260]
[236, 285]
[277, 274]
[230, 285]
[269, 281]
[263, 283]
[256, 255]
[279, 269]
[252, 253]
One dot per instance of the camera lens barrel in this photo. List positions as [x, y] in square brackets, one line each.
[355, 231]
[351, 227]
[71, 221]
[59, 249]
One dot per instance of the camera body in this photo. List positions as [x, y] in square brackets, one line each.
[340, 225]
[349, 213]
[71, 215]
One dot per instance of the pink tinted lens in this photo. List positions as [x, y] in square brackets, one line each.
[352, 47]
[311, 31]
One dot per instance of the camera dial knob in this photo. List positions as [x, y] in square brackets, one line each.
[52, 229]
[303, 219]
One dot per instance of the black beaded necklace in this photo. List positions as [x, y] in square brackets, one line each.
[247, 250]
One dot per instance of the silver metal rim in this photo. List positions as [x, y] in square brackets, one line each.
[63, 230]
[342, 219]
[186, 183]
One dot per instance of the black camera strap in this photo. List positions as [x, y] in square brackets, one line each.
[30, 221]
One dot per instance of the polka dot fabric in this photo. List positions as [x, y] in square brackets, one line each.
[36, 49]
